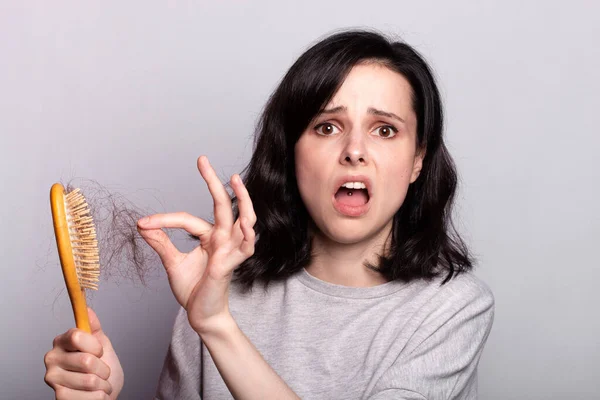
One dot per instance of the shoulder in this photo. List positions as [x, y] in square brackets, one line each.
[447, 334]
[465, 296]
[469, 287]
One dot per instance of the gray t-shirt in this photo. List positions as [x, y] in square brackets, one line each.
[393, 341]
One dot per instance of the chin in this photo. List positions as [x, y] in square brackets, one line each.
[348, 235]
[352, 231]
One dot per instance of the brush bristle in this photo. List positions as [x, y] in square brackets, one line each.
[82, 232]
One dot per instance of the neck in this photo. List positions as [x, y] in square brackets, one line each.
[344, 264]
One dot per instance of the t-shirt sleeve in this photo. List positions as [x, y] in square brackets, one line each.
[180, 376]
[440, 361]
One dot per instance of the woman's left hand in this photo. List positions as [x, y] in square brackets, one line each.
[200, 279]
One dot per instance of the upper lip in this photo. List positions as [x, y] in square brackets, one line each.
[354, 178]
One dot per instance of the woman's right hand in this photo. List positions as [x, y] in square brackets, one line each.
[200, 279]
[83, 365]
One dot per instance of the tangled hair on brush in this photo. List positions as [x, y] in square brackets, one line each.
[123, 252]
[424, 243]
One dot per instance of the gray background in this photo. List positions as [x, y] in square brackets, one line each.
[130, 93]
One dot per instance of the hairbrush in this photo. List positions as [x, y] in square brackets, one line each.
[75, 234]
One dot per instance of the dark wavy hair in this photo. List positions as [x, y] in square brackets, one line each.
[424, 243]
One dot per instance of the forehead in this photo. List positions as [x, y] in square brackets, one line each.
[374, 85]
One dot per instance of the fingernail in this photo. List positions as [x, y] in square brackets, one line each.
[144, 221]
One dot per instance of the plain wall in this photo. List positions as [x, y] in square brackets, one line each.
[130, 93]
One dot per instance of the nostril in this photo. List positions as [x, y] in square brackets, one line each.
[354, 160]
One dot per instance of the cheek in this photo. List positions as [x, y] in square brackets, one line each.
[303, 168]
[314, 168]
[310, 180]
[397, 180]
[307, 173]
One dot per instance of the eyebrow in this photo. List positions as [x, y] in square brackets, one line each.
[370, 110]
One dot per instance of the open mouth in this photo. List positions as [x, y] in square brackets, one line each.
[353, 194]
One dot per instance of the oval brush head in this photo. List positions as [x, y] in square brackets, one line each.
[75, 234]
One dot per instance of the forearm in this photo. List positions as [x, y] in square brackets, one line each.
[244, 370]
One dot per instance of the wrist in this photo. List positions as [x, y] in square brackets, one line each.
[217, 327]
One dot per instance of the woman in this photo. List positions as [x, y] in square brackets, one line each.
[338, 273]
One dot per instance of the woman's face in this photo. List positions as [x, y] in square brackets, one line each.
[365, 140]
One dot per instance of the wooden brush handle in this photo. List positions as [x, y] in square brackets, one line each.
[67, 262]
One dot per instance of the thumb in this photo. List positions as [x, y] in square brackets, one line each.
[94, 322]
[97, 330]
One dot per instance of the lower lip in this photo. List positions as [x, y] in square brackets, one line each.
[351, 211]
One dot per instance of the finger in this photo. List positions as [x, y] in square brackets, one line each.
[247, 246]
[84, 363]
[182, 220]
[76, 361]
[244, 201]
[81, 381]
[65, 393]
[160, 242]
[221, 199]
[77, 340]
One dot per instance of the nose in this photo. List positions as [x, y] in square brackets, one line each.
[354, 151]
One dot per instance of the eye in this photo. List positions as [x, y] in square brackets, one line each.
[386, 131]
[326, 129]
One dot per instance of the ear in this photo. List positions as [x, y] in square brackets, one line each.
[417, 165]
